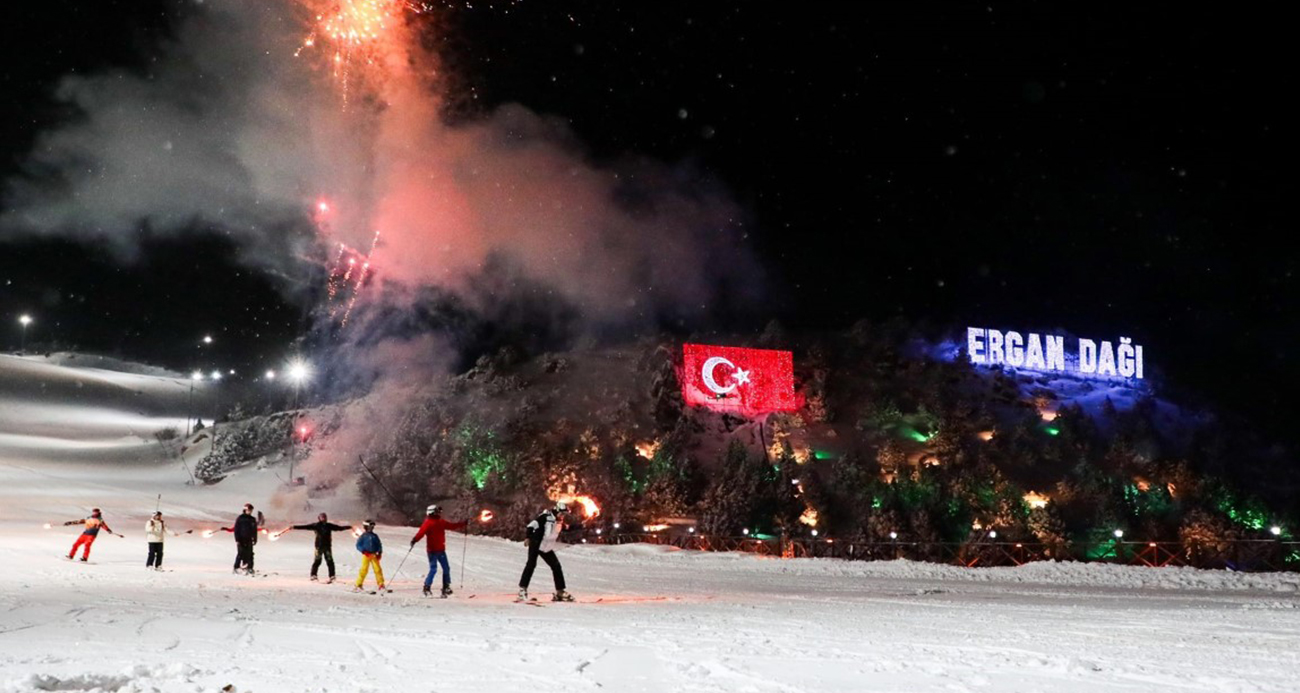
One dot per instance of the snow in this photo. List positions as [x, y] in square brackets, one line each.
[648, 618]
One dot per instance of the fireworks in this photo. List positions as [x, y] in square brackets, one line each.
[362, 33]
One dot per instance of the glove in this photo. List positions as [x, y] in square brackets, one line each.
[412, 543]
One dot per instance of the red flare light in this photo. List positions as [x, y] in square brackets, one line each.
[486, 516]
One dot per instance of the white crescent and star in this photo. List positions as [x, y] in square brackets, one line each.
[739, 376]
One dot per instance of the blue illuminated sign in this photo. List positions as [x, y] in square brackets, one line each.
[1038, 352]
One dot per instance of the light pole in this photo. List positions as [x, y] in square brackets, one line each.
[24, 320]
[299, 371]
[189, 402]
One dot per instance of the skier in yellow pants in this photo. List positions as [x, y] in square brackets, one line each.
[372, 550]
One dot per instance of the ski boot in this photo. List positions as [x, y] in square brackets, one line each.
[330, 581]
[523, 595]
[315, 579]
[427, 592]
[562, 596]
[83, 559]
[446, 591]
[357, 588]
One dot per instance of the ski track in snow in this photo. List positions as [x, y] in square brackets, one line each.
[669, 620]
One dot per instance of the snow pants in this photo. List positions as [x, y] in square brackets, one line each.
[244, 554]
[367, 560]
[326, 555]
[84, 540]
[435, 558]
[549, 556]
[155, 555]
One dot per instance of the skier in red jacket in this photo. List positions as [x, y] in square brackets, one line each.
[92, 526]
[434, 529]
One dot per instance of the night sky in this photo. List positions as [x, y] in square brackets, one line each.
[1109, 171]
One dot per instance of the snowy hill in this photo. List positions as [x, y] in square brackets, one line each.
[647, 619]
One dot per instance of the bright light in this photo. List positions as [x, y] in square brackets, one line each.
[1119, 534]
[216, 375]
[745, 531]
[599, 531]
[196, 376]
[299, 370]
[616, 525]
[691, 530]
[207, 339]
[589, 507]
[270, 375]
[1275, 531]
[814, 532]
[25, 320]
[1036, 500]
[486, 516]
[893, 535]
[993, 534]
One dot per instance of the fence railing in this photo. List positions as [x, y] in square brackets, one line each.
[1253, 555]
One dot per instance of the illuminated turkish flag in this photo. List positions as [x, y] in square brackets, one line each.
[737, 380]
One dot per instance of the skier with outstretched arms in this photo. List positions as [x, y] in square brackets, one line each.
[434, 530]
[543, 532]
[155, 530]
[324, 530]
[92, 526]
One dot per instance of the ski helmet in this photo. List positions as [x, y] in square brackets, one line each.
[561, 506]
[432, 509]
[368, 524]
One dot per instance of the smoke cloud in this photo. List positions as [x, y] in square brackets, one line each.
[240, 128]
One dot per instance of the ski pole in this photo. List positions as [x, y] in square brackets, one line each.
[400, 564]
[464, 549]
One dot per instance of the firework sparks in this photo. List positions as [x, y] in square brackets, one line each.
[361, 278]
[361, 33]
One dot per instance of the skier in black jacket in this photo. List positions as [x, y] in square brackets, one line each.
[324, 530]
[245, 530]
[542, 535]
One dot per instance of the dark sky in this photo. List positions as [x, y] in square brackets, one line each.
[1109, 170]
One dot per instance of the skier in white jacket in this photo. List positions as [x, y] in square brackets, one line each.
[154, 532]
[543, 532]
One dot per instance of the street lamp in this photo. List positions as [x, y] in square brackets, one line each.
[189, 402]
[24, 320]
[299, 371]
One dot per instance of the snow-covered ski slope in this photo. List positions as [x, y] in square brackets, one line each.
[646, 620]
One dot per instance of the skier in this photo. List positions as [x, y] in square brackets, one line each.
[245, 531]
[92, 525]
[434, 529]
[324, 530]
[542, 534]
[372, 551]
[155, 531]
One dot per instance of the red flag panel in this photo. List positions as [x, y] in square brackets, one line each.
[738, 380]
